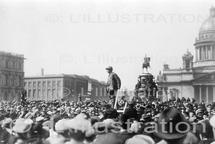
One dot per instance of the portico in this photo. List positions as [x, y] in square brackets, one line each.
[204, 88]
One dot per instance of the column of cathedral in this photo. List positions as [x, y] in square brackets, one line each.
[37, 94]
[200, 93]
[205, 93]
[205, 52]
[213, 93]
[209, 52]
[213, 52]
[46, 90]
[207, 98]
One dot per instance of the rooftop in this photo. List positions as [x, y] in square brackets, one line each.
[11, 54]
[63, 75]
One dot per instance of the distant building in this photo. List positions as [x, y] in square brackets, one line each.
[195, 79]
[11, 76]
[64, 86]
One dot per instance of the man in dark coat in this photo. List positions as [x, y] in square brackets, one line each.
[129, 114]
[113, 84]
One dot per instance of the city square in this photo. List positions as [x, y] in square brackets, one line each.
[100, 72]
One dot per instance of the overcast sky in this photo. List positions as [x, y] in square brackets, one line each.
[83, 37]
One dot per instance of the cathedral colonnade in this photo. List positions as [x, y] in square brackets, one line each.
[205, 52]
[204, 93]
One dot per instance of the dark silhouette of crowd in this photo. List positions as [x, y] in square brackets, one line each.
[180, 121]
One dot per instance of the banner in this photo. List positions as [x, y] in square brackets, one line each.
[121, 103]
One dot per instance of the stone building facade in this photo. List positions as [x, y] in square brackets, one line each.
[11, 76]
[64, 86]
[196, 79]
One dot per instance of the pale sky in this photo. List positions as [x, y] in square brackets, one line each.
[83, 37]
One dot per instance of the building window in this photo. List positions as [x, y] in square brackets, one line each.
[58, 83]
[213, 52]
[39, 94]
[53, 83]
[165, 78]
[14, 65]
[17, 81]
[96, 91]
[3, 80]
[29, 93]
[29, 84]
[34, 93]
[38, 84]
[2, 62]
[20, 66]
[53, 93]
[43, 94]
[44, 84]
[6, 64]
[101, 92]
[49, 94]
[187, 64]
[9, 64]
[82, 91]
[10, 81]
[34, 84]
[104, 90]
[58, 93]
[49, 84]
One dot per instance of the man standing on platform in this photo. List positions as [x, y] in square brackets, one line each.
[113, 84]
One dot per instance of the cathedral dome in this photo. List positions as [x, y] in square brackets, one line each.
[209, 24]
[205, 43]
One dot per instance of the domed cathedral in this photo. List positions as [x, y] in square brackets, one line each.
[197, 78]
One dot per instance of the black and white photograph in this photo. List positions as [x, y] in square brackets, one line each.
[107, 72]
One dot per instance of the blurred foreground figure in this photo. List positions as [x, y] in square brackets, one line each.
[176, 129]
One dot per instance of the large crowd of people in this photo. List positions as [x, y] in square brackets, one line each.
[57, 122]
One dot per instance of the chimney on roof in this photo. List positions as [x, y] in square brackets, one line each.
[42, 71]
[165, 67]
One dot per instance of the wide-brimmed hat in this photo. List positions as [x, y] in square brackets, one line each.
[140, 139]
[109, 68]
[48, 124]
[199, 111]
[172, 124]
[79, 123]
[62, 125]
[7, 122]
[22, 125]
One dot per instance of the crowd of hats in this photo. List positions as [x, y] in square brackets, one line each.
[98, 123]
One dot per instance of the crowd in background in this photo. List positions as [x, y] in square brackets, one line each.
[98, 122]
